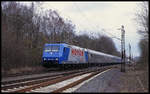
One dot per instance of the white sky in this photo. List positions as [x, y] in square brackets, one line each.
[95, 16]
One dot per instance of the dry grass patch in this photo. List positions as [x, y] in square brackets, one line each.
[22, 70]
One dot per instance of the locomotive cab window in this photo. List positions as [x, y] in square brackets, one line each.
[52, 48]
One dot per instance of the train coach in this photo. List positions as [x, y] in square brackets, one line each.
[70, 55]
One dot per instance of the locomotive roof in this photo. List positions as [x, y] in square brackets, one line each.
[49, 44]
[76, 47]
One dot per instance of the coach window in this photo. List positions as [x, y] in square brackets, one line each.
[91, 55]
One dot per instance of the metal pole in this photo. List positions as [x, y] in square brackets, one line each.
[129, 53]
[123, 48]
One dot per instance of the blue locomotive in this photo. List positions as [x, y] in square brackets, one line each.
[65, 54]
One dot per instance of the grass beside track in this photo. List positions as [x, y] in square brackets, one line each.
[21, 71]
[135, 79]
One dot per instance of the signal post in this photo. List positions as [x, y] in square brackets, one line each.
[122, 49]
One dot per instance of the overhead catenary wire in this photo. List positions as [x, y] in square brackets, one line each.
[63, 14]
[93, 26]
[84, 16]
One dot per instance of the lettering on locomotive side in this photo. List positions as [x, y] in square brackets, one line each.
[77, 52]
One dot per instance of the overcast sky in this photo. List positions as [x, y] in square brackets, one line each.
[98, 16]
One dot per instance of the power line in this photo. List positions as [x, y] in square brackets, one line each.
[84, 16]
[113, 36]
[93, 26]
[65, 15]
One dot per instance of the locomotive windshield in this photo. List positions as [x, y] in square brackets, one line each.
[52, 48]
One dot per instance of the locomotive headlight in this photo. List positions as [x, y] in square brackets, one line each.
[56, 58]
[44, 58]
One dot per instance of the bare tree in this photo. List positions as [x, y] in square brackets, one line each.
[143, 20]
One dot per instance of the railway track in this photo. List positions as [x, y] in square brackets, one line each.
[28, 81]
[37, 85]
